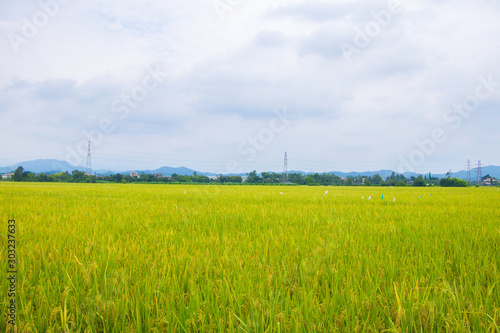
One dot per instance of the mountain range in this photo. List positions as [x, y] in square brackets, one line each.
[54, 166]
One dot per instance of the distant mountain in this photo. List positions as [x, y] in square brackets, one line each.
[6, 169]
[491, 170]
[43, 166]
[382, 173]
[169, 171]
[54, 166]
[46, 166]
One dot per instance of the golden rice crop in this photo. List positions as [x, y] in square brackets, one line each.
[141, 258]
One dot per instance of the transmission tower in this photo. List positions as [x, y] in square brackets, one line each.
[88, 169]
[469, 178]
[479, 172]
[285, 169]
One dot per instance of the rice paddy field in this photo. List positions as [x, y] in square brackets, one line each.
[180, 258]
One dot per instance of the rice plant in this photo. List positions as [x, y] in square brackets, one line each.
[157, 258]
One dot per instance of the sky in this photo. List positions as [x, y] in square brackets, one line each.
[231, 85]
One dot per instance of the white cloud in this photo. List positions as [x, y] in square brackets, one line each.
[227, 76]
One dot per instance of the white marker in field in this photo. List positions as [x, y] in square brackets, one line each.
[282, 193]
[185, 192]
[370, 197]
[326, 192]
[394, 200]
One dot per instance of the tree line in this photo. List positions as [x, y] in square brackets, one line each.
[20, 175]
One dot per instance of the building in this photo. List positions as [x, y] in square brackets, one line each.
[134, 174]
[7, 175]
[158, 175]
[489, 181]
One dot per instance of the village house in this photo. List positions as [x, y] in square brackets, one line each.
[489, 181]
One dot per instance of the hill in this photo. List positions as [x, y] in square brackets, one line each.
[51, 166]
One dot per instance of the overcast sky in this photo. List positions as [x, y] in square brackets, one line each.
[225, 86]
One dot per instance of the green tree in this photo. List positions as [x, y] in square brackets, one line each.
[79, 176]
[419, 181]
[253, 178]
[296, 178]
[449, 182]
[28, 176]
[149, 178]
[377, 179]
[43, 178]
[310, 181]
[128, 179]
[18, 174]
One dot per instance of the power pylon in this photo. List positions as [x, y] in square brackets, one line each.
[479, 173]
[469, 178]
